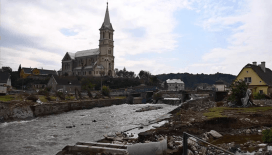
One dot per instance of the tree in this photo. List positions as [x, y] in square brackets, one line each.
[238, 90]
[19, 69]
[106, 91]
[86, 84]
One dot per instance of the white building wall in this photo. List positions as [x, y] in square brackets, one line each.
[220, 87]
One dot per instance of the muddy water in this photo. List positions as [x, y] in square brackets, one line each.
[48, 135]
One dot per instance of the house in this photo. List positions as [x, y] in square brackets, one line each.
[65, 84]
[220, 85]
[175, 84]
[36, 73]
[93, 62]
[5, 82]
[258, 78]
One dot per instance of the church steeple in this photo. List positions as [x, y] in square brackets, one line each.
[107, 24]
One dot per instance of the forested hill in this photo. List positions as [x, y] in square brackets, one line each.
[191, 80]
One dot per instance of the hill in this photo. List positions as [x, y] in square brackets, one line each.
[191, 80]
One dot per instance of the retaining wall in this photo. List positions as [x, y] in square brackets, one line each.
[10, 113]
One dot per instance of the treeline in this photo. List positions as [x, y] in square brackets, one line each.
[191, 80]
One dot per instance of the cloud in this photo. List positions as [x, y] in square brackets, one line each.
[45, 28]
[249, 41]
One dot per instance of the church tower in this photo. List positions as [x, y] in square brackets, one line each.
[106, 58]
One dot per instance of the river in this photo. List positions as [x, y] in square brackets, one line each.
[48, 135]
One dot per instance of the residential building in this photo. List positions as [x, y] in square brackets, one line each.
[93, 62]
[221, 85]
[5, 82]
[36, 73]
[258, 77]
[66, 84]
[175, 85]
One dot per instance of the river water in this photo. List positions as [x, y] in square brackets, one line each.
[48, 135]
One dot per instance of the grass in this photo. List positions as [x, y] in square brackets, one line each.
[6, 98]
[42, 98]
[218, 111]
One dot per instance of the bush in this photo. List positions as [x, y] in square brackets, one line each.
[238, 91]
[60, 95]
[157, 96]
[258, 96]
[219, 104]
[267, 136]
[43, 92]
[33, 98]
[47, 89]
[106, 91]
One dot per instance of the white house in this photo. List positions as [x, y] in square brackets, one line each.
[5, 82]
[220, 86]
[175, 85]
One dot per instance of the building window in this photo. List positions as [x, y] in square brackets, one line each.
[247, 79]
[261, 91]
[109, 52]
[260, 81]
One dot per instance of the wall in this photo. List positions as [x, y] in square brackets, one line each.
[14, 113]
[11, 113]
[220, 87]
[55, 108]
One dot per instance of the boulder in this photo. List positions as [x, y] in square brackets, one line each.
[214, 134]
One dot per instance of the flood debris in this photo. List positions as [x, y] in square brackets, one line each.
[148, 108]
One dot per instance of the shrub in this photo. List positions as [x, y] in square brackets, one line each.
[47, 89]
[106, 91]
[258, 96]
[267, 136]
[33, 98]
[43, 92]
[238, 91]
[60, 95]
[157, 96]
[219, 104]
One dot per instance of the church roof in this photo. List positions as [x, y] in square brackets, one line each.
[87, 52]
[107, 24]
[72, 55]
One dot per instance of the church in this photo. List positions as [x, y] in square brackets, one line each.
[93, 62]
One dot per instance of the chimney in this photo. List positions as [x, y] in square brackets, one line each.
[254, 63]
[263, 66]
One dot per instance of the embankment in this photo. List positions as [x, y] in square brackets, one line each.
[11, 111]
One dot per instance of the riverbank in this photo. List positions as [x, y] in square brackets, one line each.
[22, 110]
[237, 130]
[50, 134]
[240, 128]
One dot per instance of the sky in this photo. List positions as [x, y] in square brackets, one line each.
[159, 36]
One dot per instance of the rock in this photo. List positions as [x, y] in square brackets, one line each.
[192, 141]
[262, 145]
[248, 131]
[94, 121]
[69, 126]
[260, 131]
[247, 119]
[214, 134]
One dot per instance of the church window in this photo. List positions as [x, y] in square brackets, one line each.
[109, 35]
[103, 35]
[109, 52]
[109, 65]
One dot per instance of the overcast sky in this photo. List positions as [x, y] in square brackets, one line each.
[160, 36]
